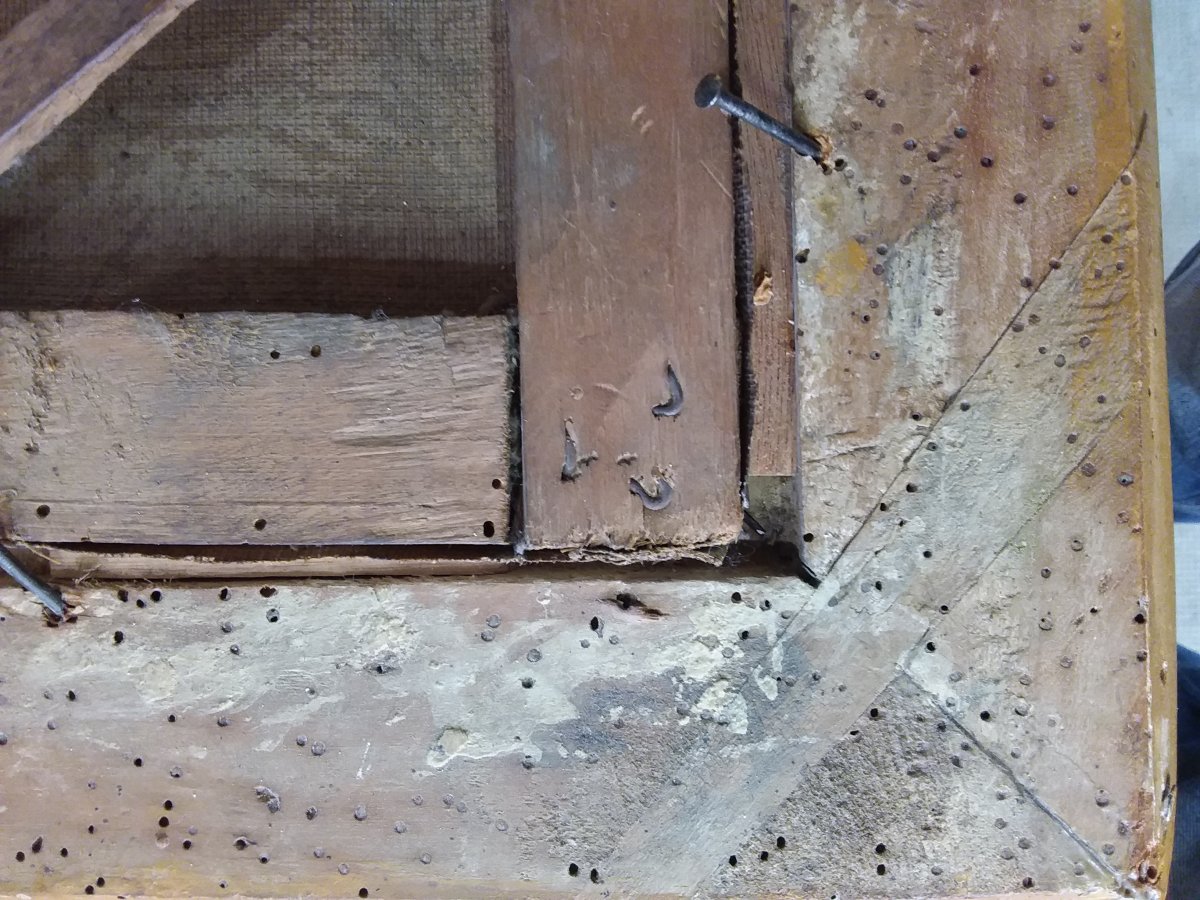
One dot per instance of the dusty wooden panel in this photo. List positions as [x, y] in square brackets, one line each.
[497, 787]
[1024, 422]
[845, 720]
[447, 738]
[656, 706]
[763, 66]
[144, 428]
[1045, 661]
[971, 145]
[625, 274]
[698, 720]
[279, 155]
[892, 809]
[55, 58]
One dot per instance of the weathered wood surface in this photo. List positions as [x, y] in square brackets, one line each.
[624, 268]
[763, 64]
[55, 58]
[918, 258]
[12, 12]
[924, 723]
[1018, 439]
[708, 718]
[652, 707]
[280, 156]
[143, 428]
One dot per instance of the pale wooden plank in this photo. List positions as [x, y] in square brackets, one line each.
[56, 57]
[1044, 658]
[450, 717]
[267, 429]
[1155, 512]
[624, 267]
[410, 701]
[763, 66]
[917, 263]
[896, 810]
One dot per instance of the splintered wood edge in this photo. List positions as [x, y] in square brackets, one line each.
[64, 564]
[69, 90]
[78, 565]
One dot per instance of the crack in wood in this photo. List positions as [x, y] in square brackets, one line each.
[954, 397]
[1096, 857]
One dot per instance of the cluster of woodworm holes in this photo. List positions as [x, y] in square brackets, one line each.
[272, 615]
[780, 843]
[987, 161]
[156, 596]
[573, 869]
[36, 847]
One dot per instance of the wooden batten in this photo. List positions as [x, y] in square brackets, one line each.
[225, 428]
[624, 276]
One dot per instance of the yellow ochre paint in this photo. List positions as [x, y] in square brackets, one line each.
[1114, 124]
[841, 269]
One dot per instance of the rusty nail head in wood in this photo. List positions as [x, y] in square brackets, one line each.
[711, 92]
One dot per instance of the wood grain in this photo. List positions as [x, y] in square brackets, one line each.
[1058, 610]
[266, 429]
[685, 735]
[839, 719]
[1156, 567]
[56, 57]
[624, 267]
[920, 257]
[763, 67]
[13, 11]
[447, 717]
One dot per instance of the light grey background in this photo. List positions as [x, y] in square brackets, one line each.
[1176, 45]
